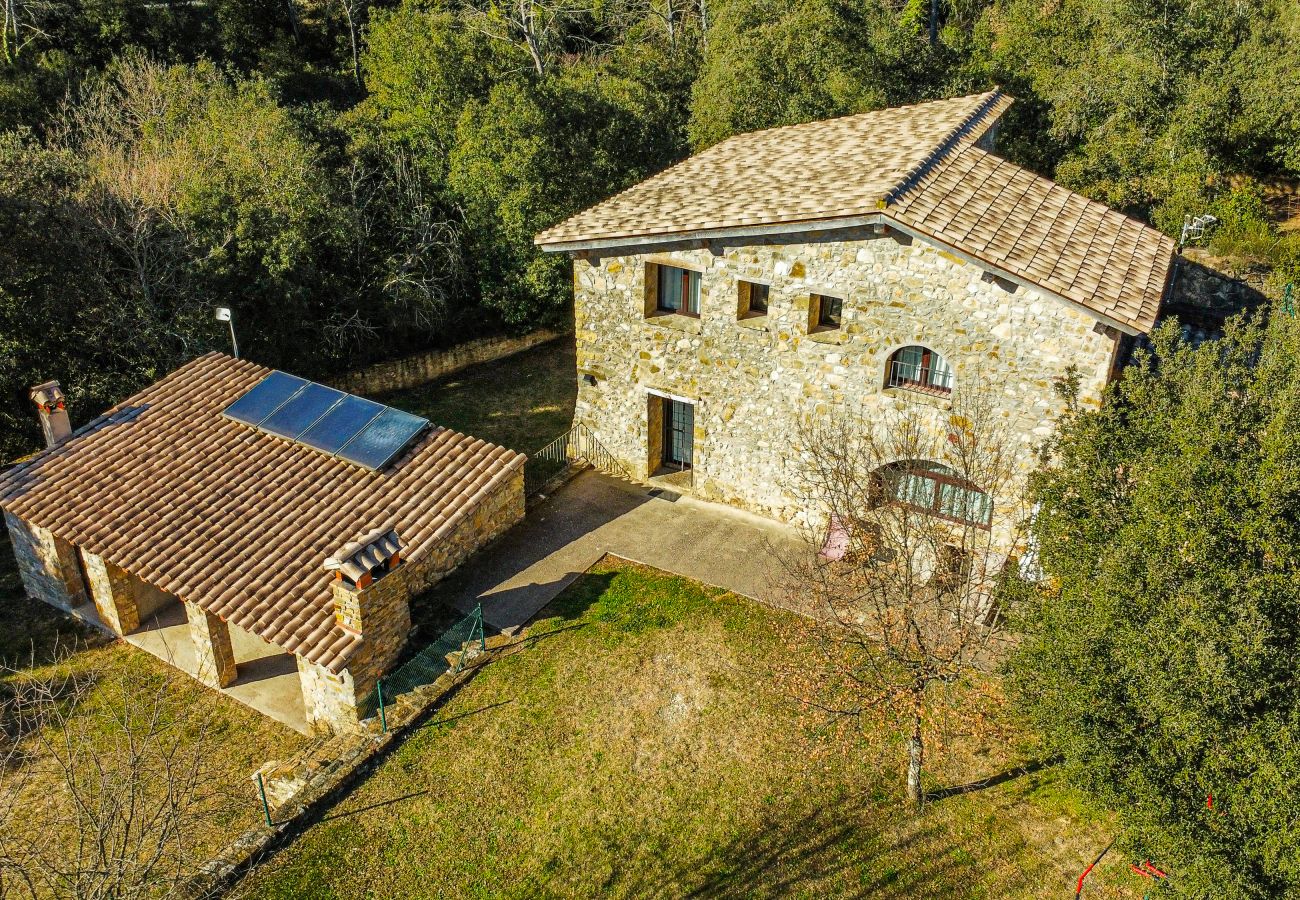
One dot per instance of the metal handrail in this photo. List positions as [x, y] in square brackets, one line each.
[917, 377]
[579, 443]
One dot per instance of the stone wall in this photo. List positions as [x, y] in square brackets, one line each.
[421, 368]
[46, 564]
[114, 591]
[331, 700]
[753, 379]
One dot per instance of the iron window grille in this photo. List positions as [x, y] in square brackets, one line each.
[919, 369]
[936, 490]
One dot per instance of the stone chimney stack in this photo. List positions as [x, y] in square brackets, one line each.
[364, 602]
[53, 412]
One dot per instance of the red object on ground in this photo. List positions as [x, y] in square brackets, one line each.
[1078, 888]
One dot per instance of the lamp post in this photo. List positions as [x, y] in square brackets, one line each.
[223, 315]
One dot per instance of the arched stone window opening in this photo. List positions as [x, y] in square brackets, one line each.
[937, 490]
[920, 369]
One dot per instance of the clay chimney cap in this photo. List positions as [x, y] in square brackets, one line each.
[357, 557]
[48, 395]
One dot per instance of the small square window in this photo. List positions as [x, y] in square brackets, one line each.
[752, 298]
[679, 291]
[829, 310]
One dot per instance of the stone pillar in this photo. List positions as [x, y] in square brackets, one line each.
[329, 700]
[112, 590]
[380, 614]
[48, 565]
[213, 655]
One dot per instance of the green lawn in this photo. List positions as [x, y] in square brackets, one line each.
[521, 402]
[38, 642]
[644, 741]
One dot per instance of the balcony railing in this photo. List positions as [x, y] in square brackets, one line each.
[920, 378]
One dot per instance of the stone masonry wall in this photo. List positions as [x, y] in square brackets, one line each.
[331, 700]
[752, 379]
[113, 590]
[45, 564]
[421, 368]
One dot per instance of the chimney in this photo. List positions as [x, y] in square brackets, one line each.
[53, 412]
[359, 567]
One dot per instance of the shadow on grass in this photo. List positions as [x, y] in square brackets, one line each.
[465, 715]
[368, 807]
[1028, 768]
[827, 852]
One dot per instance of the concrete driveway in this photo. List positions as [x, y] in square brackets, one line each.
[593, 515]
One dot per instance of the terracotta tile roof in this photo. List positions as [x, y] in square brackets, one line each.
[797, 173]
[1048, 235]
[918, 166]
[234, 520]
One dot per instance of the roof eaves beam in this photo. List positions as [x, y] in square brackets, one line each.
[712, 234]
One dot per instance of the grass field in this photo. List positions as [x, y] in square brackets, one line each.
[644, 742]
[521, 402]
[234, 741]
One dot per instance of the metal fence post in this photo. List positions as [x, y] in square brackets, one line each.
[266, 807]
[478, 617]
[383, 716]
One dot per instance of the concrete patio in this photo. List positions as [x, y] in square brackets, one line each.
[595, 514]
[268, 677]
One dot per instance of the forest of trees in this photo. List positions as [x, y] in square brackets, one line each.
[361, 179]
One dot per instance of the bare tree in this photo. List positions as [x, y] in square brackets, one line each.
[24, 21]
[536, 25]
[354, 13]
[106, 783]
[902, 570]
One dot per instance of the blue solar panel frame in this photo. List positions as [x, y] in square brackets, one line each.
[302, 410]
[383, 438]
[265, 397]
[346, 426]
[345, 419]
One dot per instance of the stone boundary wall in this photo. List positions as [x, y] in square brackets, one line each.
[421, 368]
[301, 789]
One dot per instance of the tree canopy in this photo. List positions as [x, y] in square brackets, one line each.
[361, 178]
[1160, 657]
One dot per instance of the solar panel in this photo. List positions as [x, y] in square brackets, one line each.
[265, 397]
[301, 410]
[376, 444]
[340, 424]
[349, 427]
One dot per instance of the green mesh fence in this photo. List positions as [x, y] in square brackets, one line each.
[446, 654]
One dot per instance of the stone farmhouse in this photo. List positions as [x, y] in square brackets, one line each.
[842, 268]
[276, 512]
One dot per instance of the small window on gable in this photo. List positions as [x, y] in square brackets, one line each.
[679, 290]
[919, 369]
[752, 299]
[825, 311]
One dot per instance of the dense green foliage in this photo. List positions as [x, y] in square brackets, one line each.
[361, 178]
[1162, 660]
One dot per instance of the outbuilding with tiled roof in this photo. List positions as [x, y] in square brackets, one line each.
[171, 496]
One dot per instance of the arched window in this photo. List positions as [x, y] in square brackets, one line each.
[935, 489]
[919, 369]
